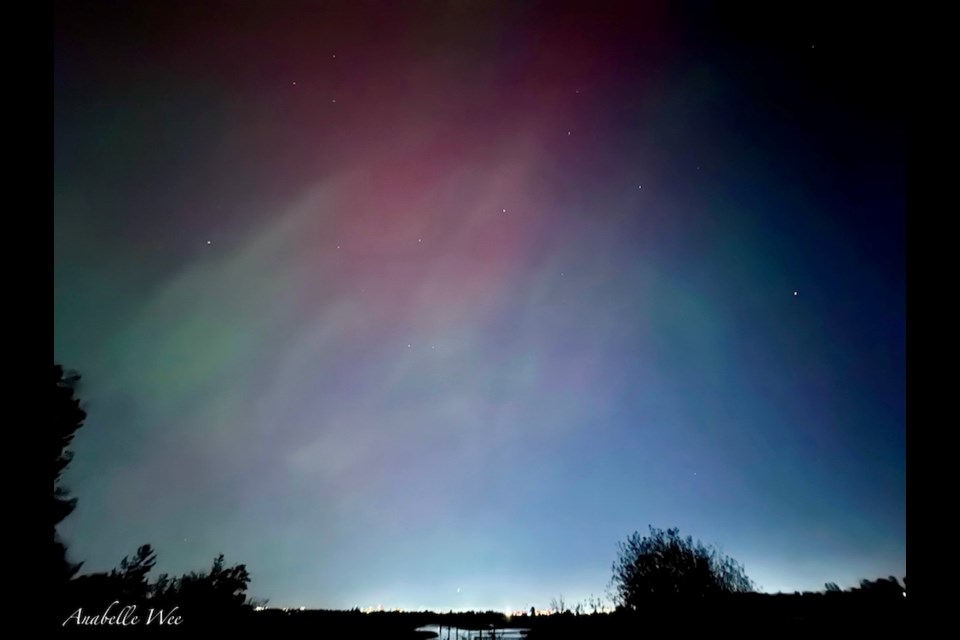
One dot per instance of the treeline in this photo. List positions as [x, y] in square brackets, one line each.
[888, 586]
[125, 596]
[756, 614]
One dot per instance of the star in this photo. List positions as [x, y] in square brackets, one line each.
[209, 242]
[568, 133]
[334, 100]
[294, 84]
[639, 186]
[794, 293]
[504, 210]
[408, 346]
[338, 246]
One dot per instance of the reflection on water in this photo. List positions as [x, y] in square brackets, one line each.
[454, 633]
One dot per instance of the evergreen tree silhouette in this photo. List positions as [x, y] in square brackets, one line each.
[68, 418]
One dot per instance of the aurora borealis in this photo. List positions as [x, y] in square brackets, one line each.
[428, 304]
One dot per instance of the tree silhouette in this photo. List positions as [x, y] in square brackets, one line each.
[131, 578]
[205, 596]
[226, 586]
[596, 604]
[889, 586]
[664, 564]
[559, 605]
[68, 416]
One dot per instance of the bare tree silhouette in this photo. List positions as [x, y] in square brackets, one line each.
[664, 564]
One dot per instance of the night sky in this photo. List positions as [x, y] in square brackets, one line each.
[429, 304]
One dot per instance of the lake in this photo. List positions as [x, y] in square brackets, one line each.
[455, 633]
